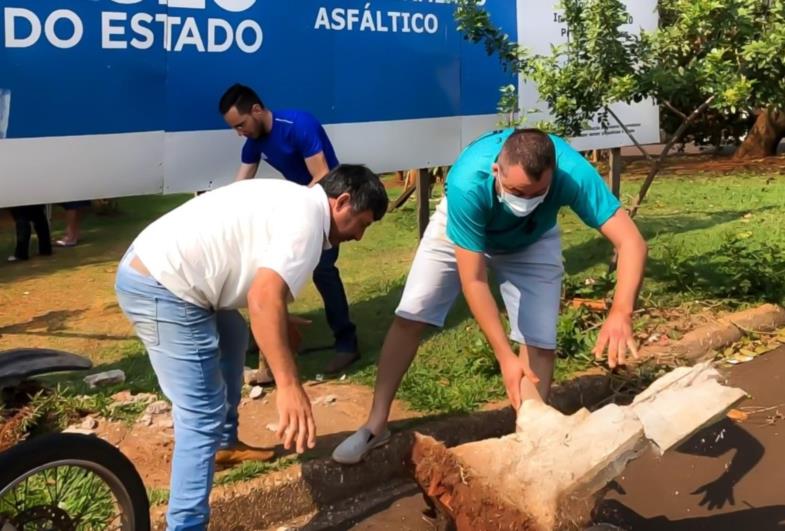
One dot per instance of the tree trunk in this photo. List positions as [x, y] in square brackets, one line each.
[764, 137]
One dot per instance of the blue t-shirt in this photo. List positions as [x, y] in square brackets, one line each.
[477, 221]
[295, 136]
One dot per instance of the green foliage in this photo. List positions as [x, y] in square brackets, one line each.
[729, 51]
[740, 269]
[593, 287]
[79, 492]
[733, 50]
[55, 409]
[576, 333]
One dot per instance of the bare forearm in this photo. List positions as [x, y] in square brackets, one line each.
[483, 307]
[632, 261]
[246, 171]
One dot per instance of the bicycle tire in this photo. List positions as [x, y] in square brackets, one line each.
[86, 451]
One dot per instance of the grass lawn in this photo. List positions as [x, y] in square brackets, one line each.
[712, 238]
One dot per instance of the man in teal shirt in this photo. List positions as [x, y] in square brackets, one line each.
[502, 200]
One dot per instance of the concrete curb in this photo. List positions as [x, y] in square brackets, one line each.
[304, 488]
[703, 341]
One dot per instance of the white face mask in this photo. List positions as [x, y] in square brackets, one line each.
[520, 206]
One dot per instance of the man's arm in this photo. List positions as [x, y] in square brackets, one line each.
[246, 171]
[269, 320]
[616, 333]
[474, 282]
[317, 167]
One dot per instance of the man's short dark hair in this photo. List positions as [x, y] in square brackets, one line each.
[363, 185]
[530, 149]
[241, 97]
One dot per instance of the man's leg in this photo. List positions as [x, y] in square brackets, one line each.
[72, 225]
[431, 289]
[182, 342]
[327, 279]
[233, 343]
[73, 214]
[41, 225]
[399, 348]
[541, 361]
[22, 222]
[530, 283]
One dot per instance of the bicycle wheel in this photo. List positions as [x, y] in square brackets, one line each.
[69, 482]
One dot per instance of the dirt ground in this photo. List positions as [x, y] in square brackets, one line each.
[728, 476]
[150, 447]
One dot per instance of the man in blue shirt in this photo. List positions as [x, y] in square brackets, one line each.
[502, 199]
[294, 143]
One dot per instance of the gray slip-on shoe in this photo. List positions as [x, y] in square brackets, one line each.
[352, 450]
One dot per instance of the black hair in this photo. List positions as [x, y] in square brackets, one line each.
[363, 186]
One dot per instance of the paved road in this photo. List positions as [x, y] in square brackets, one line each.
[729, 476]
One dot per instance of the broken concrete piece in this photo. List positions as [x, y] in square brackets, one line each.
[158, 408]
[79, 430]
[547, 475]
[165, 421]
[257, 377]
[114, 376]
[326, 400]
[89, 423]
[681, 402]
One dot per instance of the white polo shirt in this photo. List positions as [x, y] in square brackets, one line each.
[208, 250]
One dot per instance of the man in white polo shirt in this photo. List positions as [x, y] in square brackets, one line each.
[251, 244]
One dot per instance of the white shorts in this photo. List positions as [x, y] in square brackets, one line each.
[530, 282]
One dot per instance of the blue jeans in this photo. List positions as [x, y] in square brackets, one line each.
[198, 356]
[328, 281]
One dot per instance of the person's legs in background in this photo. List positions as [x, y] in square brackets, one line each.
[22, 222]
[73, 215]
[41, 225]
[327, 279]
[24, 216]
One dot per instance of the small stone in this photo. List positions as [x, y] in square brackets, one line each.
[165, 422]
[114, 376]
[89, 423]
[158, 407]
[257, 377]
[342, 378]
[273, 426]
[77, 429]
[329, 399]
[320, 377]
[256, 392]
[145, 397]
[123, 397]
[145, 420]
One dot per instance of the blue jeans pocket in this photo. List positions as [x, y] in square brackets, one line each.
[145, 320]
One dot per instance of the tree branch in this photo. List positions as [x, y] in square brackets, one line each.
[674, 110]
[629, 134]
[658, 163]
